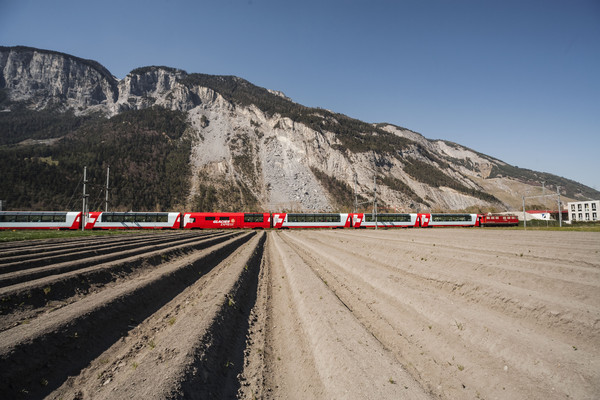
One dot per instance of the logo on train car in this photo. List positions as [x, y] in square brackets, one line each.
[225, 222]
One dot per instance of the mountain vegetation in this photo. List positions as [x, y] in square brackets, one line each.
[146, 150]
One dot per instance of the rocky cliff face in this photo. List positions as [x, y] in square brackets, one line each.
[44, 77]
[274, 161]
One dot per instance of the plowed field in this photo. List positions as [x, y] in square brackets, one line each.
[387, 314]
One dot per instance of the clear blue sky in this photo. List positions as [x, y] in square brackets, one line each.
[517, 80]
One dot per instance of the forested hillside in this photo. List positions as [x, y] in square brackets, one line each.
[42, 155]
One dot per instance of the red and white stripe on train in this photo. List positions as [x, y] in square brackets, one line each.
[240, 220]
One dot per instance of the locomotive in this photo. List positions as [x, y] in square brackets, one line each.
[241, 220]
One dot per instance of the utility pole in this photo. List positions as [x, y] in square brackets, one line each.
[559, 207]
[85, 196]
[543, 194]
[375, 199]
[524, 218]
[355, 194]
[106, 201]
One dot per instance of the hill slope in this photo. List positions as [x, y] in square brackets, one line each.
[177, 140]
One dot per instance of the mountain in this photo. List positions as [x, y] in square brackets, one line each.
[175, 140]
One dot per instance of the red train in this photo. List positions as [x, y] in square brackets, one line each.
[239, 220]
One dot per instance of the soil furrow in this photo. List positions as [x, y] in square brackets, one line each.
[513, 290]
[378, 314]
[461, 342]
[92, 241]
[192, 347]
[43, 258]
[81, 260]
[57, 345]
[348, 360]
[22, 302]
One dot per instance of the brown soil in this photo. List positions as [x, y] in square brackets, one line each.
[412, 313]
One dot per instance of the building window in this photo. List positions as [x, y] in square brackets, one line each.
[587, 216]
[593, 206]
[572, 207]
[573, 217]
[587, 207]
[578, 207]
[594, 217]
[580, 216]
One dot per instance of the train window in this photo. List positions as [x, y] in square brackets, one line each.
[451, 217]
[12, 218]
[253, 217]
[293, 218]
[113, 217]
[22, 218]
[336, 218]
[47, 218]
[162, 217]
[223, 218]
[209, 218]
[116, 217]
[388, 218]
[60, 217]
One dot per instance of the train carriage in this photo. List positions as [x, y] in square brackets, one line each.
[322, 220]
[133, 220]
[227, 220]
[40, 220]
[440, 220]
[498, 220]
[367, 220]
[256, 220]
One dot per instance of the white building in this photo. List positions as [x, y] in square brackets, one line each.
[584, 210]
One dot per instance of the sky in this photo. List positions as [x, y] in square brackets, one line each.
[516, 80]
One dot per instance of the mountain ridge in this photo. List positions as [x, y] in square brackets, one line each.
[252, 147]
